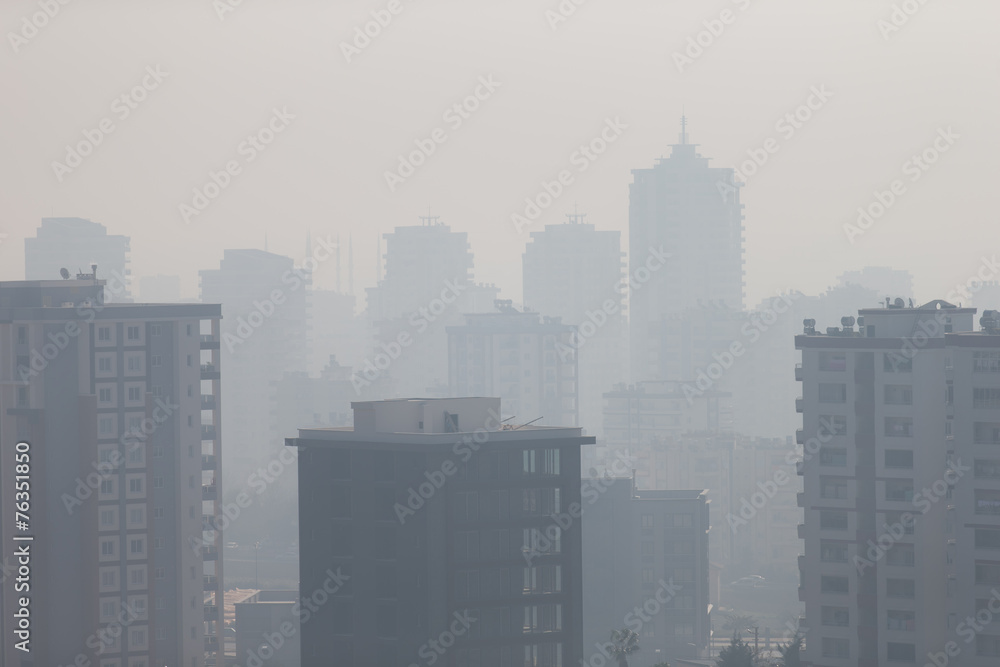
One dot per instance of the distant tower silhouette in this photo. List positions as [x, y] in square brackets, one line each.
[378, 258]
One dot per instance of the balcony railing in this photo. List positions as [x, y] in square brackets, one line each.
[210, 582]
[209, 342]
[207, 432]
[799, 405]
[798, 372]
[207, 402]
[209, 492]
[208, 462]
[209, 372]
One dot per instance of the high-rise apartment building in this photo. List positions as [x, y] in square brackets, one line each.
[118, 408]
[575, 272]
[75, 244]
[692, 212]
[528, 360]
[880, 471]
[973, 558]
[264, 335]
[437, 533]
[427, 286]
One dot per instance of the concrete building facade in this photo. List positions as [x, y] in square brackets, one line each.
[118, 405]
[431, 518]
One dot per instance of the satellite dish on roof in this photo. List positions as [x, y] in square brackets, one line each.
[64, 273]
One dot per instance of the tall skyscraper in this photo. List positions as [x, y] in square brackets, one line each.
[438, 534]
[878, 407]
[529, 361]
[575, 272]
[693, 212]
[117, 407]
[264, 335]
[75, 244]
[427, 287]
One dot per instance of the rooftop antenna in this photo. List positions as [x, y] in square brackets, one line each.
[429, 219]
[350, 264]
[529, 423]
[575, 217]
[338, 264]
[684, 123]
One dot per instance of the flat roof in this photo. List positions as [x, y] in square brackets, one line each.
[340, 435]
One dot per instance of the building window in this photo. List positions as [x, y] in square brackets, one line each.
[899, 459]
[986, 362]
[903, 588]
[133, 363]
[897, 394]
[104, 364]
[835, 616]
[832, 584]
[22, 335]
[832, 393]
[833, 457]
[898, 427]
[836, 647]
[132, 333]
[899, 490]
[157, 512]
[986, 399]
[157, 361]
[894, 362]
[155, 330]
[104, 395]
[832, 361]
[104, 333]
[160, 573]
[900, 620]
[832, 552]
[105, 426]
[829, 520]
[134, 394]
[896, 652]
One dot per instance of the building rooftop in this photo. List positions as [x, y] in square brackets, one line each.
[434, 421]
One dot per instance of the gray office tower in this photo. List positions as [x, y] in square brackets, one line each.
[108, 419]
[432, 533]
[692, 212]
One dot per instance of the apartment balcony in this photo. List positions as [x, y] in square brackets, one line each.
[206, 523]
[800, 468]
[208, 462]
[799, 405]
[209, 552]
[207, 402]
[801, 530]
[800, 499]
[800, 436]
[208, 432]
[211, 612]
[210, 582]
[802, 562]
[211, 643]
[802, 594]
[209, 342]
[210, 372]
[798, 372]
[209, 492]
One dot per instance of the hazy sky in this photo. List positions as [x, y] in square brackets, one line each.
[325, 171]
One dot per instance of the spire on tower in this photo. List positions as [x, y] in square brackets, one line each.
[350, 264]
[684, 134]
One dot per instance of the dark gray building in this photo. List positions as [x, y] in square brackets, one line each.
[646, 569]
[431, 533]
